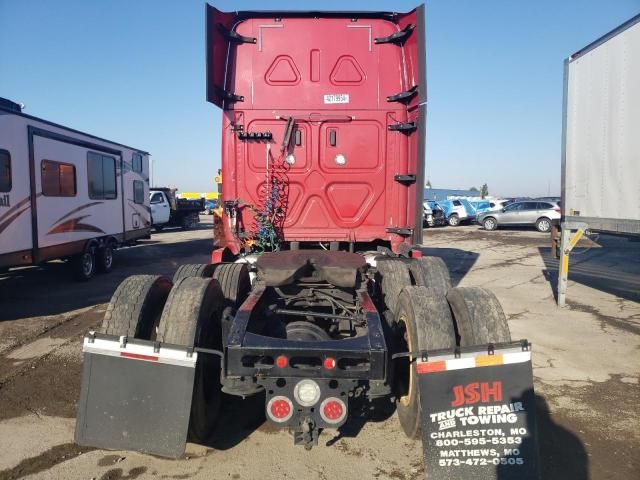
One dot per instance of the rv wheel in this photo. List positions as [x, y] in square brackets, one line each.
[423, 323]
[191, 318]
[478, 316]
[84, 264]
[104, 258]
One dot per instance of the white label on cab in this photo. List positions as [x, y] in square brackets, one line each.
[336, 98]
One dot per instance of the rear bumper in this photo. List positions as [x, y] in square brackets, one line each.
[354, 358]
[252, 355]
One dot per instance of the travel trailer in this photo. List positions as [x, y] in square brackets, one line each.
[65, 194]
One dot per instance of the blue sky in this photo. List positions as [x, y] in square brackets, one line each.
[133, 72]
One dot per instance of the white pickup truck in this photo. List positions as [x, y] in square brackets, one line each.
[169, 211]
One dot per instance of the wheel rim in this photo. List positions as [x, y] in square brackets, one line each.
[543, 225]
[87, 263]
[108, 257]
[453, 220]
[405, 400]
[488, 224]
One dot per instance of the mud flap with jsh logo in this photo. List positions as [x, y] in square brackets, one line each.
[478, 413]
[135, 395]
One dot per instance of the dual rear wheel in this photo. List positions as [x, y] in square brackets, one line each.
[430, 315]
[189, 312]
[92, 259]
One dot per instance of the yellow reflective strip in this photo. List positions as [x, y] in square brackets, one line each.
[565, 264]
[488, 360]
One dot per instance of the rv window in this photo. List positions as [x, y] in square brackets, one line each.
[5, 171]
[136, 163]
[58, 179]
[138, 191]
[101, 175]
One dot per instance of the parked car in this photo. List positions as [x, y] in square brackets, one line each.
[533, 213]
[210, 206]
[456, 211]
[433, 214]
[549, 199]
[487, 205]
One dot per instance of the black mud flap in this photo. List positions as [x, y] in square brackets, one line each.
[478, 413]
[135, 395]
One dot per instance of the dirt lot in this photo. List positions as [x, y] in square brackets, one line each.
[586, 366]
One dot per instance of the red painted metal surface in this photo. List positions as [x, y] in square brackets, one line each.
[329, 73]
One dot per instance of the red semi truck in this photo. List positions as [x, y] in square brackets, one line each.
[320, 296]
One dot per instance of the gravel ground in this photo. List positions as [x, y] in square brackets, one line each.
[586, 367]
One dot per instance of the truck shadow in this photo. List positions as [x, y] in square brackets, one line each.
[459, 262]
[239, 418]
[50, 289]
[614, 268]
[363, 412]
[562, 454]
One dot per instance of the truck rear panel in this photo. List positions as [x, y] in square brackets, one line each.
[354, 84]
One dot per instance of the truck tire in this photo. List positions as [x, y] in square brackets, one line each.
[424, 323]
[431, 272]
[478, 316]
[454, 220]
[136, 306]
[234, 281]
[104, 258]
[392, 275]
[201, 270]
[191, 318]
[235, 284]
[83, 265]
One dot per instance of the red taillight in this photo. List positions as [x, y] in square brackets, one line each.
[329, 363]
[282, 361]
[333, 410]
[280, 409]
[557, 209]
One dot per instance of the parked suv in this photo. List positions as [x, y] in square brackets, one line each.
[534, 213]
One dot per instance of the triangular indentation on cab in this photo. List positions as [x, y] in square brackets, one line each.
[351, 201]
[347, 71]
[314, 215]
[283, 71]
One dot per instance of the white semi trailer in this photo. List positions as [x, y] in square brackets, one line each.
[67, 194]
[601, 144]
